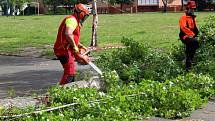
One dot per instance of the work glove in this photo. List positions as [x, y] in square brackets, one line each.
[76, 49]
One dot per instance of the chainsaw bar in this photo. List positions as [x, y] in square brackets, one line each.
[95, 67]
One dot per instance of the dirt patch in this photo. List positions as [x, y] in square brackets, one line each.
[30, 52]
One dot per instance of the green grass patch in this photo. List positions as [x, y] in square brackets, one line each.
[157, 29]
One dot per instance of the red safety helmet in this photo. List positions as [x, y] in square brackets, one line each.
[191, 5]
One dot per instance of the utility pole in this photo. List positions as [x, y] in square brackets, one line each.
[94, 26]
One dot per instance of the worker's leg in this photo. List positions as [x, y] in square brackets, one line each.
[188, 58]
[68, 64]
[194, 47]
[191, 46]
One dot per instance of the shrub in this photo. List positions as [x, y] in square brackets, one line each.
[208, 30]
[138, 61]
[206, 54]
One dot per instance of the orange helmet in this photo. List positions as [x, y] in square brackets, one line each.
[82, 11]
[191, 4]
[81, 8]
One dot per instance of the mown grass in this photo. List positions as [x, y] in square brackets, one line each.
[159, 30]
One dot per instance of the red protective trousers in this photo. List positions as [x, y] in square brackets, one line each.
[63, 51]
[68, 66]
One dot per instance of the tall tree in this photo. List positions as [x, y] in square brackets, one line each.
[17, 4]
[13, 4]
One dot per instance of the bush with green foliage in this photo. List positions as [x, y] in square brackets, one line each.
[205, 57]
[138, 61]
[173, 98]
[208, 30]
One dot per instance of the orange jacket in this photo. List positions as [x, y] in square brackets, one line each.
[188, 27]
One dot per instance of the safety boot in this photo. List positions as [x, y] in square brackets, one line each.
[70, 79]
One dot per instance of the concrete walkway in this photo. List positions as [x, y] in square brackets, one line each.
[27, 75]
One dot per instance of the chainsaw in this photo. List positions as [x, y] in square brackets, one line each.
[82, 58]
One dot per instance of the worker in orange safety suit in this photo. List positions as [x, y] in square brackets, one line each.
[188, 33]
[66, 44]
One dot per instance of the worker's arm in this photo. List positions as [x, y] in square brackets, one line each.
[196, 30]
[184, 28]
[71, 25]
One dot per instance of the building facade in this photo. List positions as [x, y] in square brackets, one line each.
[150, 6]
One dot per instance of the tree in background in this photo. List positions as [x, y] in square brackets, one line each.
[5, 6]
[121, 2]
[182, 5]
[201, 4]
[205, 4]
[55, 3]
[19, 4]
[165, 3]
[15, 4]
[10, 6]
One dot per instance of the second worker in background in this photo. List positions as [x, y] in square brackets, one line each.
[188, 33]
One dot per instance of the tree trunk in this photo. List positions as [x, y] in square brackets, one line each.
[165, 6]
[54, 7]
[182, 5]
[121, 8]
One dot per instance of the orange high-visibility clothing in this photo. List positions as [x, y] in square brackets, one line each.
[188, 27]
[61, 45]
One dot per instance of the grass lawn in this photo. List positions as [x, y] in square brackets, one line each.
[159, 30]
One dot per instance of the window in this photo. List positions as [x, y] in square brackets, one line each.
[148, 2]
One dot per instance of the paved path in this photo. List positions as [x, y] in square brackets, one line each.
[27, 75]
[207, 113]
